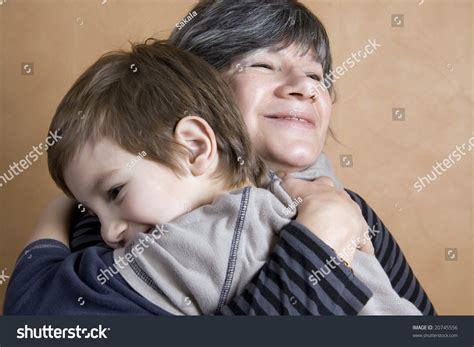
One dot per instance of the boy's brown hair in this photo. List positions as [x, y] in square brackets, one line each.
[136, 99]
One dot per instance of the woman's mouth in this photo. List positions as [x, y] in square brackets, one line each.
[297, 120]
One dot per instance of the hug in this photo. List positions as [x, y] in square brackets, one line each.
[227, 113]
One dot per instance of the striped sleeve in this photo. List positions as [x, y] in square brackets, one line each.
[391, 257]
[85, 232]
[284, 285]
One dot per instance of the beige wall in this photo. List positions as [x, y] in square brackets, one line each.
[424, 67]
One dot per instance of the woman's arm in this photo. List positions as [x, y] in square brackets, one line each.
[84, 231]
[390, 255]
[286, 284]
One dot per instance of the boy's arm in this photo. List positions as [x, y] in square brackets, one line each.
[393, 261]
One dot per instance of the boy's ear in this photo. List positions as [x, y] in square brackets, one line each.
[195, 134]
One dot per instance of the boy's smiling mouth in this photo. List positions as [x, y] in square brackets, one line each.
[150, 230]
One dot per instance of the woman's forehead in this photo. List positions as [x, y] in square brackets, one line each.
[292, 50]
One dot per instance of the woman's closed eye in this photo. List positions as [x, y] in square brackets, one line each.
[313, 76]
[262, 65]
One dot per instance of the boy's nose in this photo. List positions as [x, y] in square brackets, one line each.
[113, 233]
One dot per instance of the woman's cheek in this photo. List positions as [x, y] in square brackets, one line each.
[324, 108]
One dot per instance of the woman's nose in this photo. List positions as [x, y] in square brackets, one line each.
[297, 86]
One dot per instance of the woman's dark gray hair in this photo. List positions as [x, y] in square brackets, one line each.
[224, 30]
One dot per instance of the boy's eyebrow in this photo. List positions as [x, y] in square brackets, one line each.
[102, 178]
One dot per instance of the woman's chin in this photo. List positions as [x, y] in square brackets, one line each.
[295, 159]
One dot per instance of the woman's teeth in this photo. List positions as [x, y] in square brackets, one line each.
[289, 118]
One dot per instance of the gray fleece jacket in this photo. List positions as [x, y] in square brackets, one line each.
[196, 263]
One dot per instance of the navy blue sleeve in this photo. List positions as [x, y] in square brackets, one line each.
[393, 261]
[50, 280]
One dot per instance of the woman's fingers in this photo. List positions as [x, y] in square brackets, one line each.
[325, 180]
[301, 188]
[367, 247]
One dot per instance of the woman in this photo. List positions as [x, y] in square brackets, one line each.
[274, 54]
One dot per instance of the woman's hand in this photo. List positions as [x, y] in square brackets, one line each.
[331, 215]
[54, 221]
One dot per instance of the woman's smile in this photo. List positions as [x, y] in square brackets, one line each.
[292, 120]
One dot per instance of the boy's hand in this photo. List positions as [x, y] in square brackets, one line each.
[54, 221]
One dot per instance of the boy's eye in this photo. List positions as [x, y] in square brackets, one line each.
[114, 192]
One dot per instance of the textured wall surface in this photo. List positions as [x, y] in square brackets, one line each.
[399, 111]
